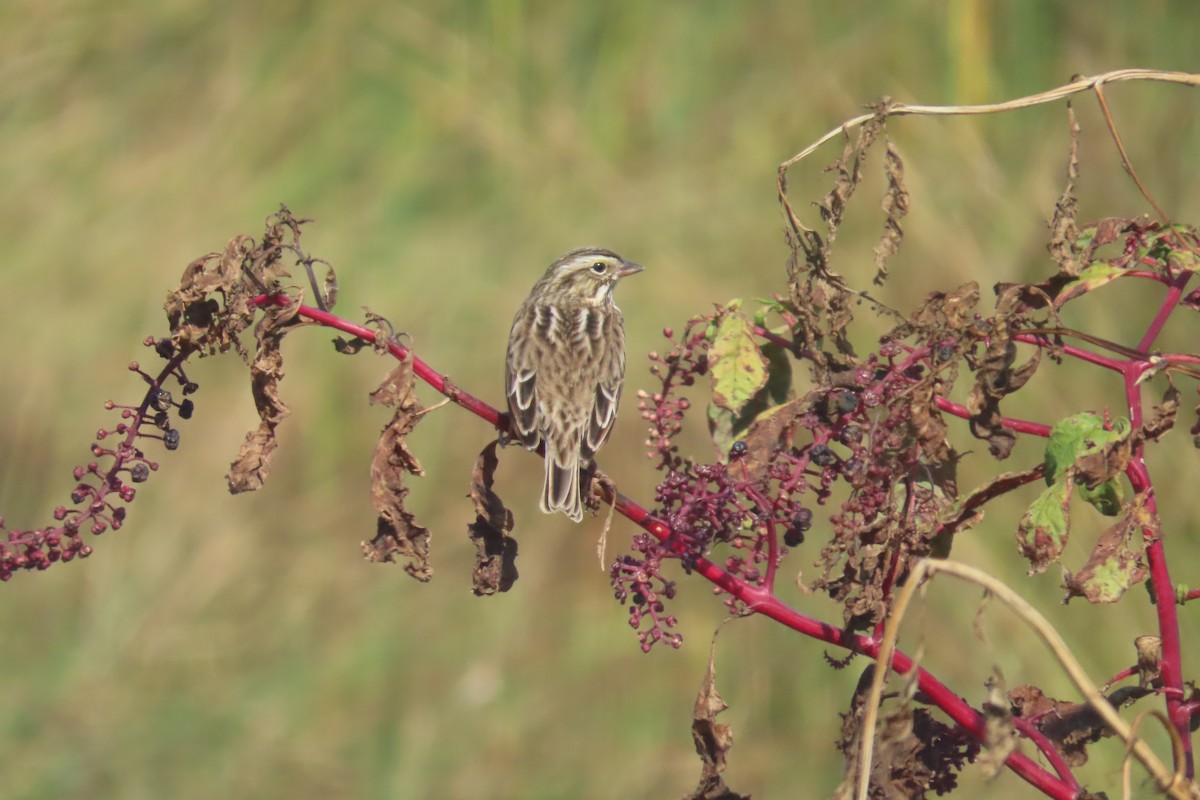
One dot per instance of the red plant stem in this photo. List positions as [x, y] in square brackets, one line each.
[1039, 339]
[1128, 672]
[763, 602]
[1017, 425]
[772, 534]
[758, 599]
[1029, 729]
[1166, 602]
[422, 370]
[1174, 293]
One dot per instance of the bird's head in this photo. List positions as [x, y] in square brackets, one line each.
[586, 275]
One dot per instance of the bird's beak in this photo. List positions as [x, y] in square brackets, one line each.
[629, 268]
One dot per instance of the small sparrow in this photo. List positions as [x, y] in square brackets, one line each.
[565, 368]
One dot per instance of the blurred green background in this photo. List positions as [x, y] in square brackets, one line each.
[238, 646]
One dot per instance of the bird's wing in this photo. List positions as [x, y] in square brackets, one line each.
[520, 384]
[608, 388]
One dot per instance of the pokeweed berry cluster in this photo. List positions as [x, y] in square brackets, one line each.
[105, 486]
[868, 428]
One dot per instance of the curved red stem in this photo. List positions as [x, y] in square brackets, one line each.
[758, 599]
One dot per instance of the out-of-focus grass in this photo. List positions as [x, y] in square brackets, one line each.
[238, 646]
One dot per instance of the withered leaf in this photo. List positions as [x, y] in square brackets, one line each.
[713, 739]
[495, 551]
[349, 347]
[249, 470]
[915, 756]
[928, 425]
[1062, 287]
[895, 205]
[199, 321]
[941, 315]
[213, 304]
[1063, 233]
[970, 510]
[771, 430]
[1000, 734]
[1162, 416]
[1070, 726]
[397, 390]
[995, 378]
[1149, 660]
[1117, 561]
[1106, 463]
[397, 532]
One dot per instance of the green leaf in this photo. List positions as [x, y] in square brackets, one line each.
[1106, 498]
[1077, 436]
[738, 366]
[1043, 531]
[1091, 277]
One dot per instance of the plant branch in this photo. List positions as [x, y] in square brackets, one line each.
[1174, 784]
[755, 598]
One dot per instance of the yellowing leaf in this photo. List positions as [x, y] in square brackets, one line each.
[1091, 277]
[737, 365]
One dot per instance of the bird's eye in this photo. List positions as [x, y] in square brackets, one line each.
[599, 267]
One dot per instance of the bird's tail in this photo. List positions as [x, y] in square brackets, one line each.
[561, 490]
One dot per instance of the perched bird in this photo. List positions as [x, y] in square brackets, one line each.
[565, 367]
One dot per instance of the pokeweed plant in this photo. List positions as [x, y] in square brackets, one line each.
[824, 455]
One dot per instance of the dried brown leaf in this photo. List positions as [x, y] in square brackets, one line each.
[995, 378]
[927, 424]
[1000, 734]
[1070, 726]
[770, 431]
[1106, 463]
[495, 551]
[1162, 416]
[397, 532]
[848, 167]
[1149, 661]
[202, 323]
[249, 470]
[1063, 230]
[915, 756]
[212, 305]
[713, 739]
[970, 510]
[895, 206]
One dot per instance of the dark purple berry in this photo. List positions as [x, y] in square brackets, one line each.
[160, 399]
[171, 439]
[846, 402]
[738, 449]
[822, 456]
